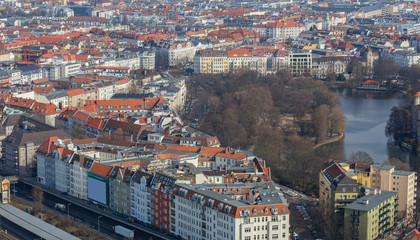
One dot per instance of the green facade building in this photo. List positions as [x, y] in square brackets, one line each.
[370, 216]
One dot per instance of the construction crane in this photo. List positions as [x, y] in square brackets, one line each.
[284, 25]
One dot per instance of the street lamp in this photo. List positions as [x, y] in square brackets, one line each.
[98, 224]
[68, 210]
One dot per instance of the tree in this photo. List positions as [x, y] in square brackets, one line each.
[337, 121]
[398, 164]
[323, 96]
[357, 71]
[360, 157]
[411, 75]
[385, 68]
[320, 119]
[38, 196]
[341, 78]
[331, 75]
[398, 124]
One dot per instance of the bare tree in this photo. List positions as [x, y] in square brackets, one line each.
[337, 121]
[320, 119]
[398, 164]
[38, 196]
[360, 157]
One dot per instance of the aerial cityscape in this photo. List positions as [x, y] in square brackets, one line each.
[209, 120]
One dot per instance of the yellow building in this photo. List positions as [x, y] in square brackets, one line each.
[363, 172]
[370, 216]
[5, 190]
[211, 62]
[337, 189]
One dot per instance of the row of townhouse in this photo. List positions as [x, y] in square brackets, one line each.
[45, 112]
[88, 21]
[285, 29]
[247, 210]
[94, 126]
[271, 60]
[90, 92]
[20, 74]
[261, 60]
[403, 57]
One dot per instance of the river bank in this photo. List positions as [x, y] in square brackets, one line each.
[366, 117]
[329, 141]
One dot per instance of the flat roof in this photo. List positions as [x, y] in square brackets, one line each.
[374, 200]
[33, 224]
[402, 173]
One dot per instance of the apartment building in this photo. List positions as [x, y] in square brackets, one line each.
[362, 172]
[403, 182]
[119, 190]
[211, 61]
[290, 29]
[173, 90]
[235, 60]
[140, 186]
[300, 63]
[18, 149]
[337, 189]
[404, 58]
[174, 53]
[197, 213]
[370, 216]
[61, 168]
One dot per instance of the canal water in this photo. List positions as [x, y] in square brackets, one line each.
[367, 114]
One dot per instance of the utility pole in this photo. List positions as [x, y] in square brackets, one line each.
[99, 229]
[68, 210]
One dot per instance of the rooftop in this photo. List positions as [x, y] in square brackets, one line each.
[369, 202]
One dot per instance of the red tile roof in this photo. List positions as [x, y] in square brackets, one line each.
[74, 92]
[45, 108]
[100, 169]
[96, 123]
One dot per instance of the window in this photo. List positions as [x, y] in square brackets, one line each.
[275, 227]
[247, 238]
[275, 236]
[284, 226]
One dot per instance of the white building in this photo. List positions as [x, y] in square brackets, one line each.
[140, 196]
[172, 54]
[276, 29]
[61, 168]
[105, 90]
[202, 213]
[404, 58]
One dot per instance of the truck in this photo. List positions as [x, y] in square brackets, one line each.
[60, 207]
[125, 232]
